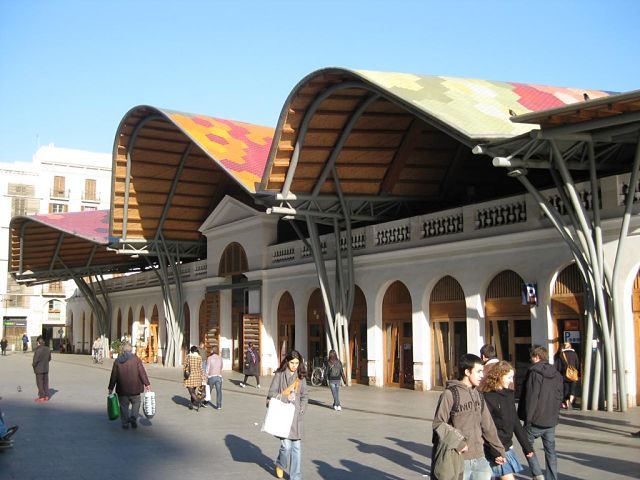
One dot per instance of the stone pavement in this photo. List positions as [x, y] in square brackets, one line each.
[380, 434]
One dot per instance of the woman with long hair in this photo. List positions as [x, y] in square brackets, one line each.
[500, 401]
[193, 377]
[335, 373]
[290, 382]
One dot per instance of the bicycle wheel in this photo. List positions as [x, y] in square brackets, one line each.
[316, 377]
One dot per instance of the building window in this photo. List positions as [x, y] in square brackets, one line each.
[58, 207]
[90, 194]
[59, 190]
[85, 208]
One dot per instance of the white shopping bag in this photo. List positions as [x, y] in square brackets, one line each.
[207, 395]
[149, 404]
[279, 418]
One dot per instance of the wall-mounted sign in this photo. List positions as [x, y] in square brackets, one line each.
[225, 354]
[15, 322]
[572, 336]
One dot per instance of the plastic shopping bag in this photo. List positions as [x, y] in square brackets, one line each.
[113, 406]
[207, 396]
[149, 404]
[279, 418]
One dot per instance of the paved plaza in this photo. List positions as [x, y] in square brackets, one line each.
[380, 433]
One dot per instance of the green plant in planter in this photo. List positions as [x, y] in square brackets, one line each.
[116, 346]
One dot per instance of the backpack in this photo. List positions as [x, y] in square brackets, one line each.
[335, 370]
[456, 402]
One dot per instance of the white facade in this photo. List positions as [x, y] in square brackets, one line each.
[56, 180]
[473, 255]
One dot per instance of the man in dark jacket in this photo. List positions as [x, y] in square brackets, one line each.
[40, 363]
[129, 378]
[539, 409]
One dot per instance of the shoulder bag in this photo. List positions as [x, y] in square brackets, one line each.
[279, 417]
[571, 372]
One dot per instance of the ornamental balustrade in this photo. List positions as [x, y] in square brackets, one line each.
[499, 215]
[392, 235]
[358, 241]
[445, 225]
[624, 193]
[306, 251]
[284, 255]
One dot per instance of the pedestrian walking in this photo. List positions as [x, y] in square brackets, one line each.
[251, 366]
[568, 364]
[40, 363]
[194, 377]
[213, 371]
[539, 409]
[3, 345]
[289, 382]
[335, 375]
[129, 378]
[25, 343]
[461, 426]
[501, 403]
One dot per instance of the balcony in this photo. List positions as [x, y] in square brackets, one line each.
[58, 194]
[90, 197]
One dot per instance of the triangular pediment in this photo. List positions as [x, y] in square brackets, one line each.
[228, 211]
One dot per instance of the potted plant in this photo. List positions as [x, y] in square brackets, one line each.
[116, 345]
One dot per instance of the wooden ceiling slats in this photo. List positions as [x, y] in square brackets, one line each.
[159, 146]
[155, 211]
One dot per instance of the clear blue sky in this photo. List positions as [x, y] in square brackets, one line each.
[71, 69]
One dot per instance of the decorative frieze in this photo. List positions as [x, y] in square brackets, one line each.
[585, 198]
[498, 215]
[306, 251]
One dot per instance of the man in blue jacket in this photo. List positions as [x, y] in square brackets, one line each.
[539, 409]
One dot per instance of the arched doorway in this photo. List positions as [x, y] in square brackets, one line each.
[358, 338]
[119, 325]
[91, 337]
[316, 333]
[129, 331]
[187, 331]
[567, 309]
[398, 336]
[448, 316]
[286, 325]
[140, 340]
[508, 322]
[636, 328]
[83, 346]
[152, 338]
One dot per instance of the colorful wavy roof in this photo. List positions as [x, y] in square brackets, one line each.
[90, 225]
[240, 148]
[480, 109]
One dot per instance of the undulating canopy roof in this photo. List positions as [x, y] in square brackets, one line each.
[52, 246]
[170, 170]
[399, 135]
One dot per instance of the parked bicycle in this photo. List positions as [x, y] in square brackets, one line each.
[98, 355]
[319, 372]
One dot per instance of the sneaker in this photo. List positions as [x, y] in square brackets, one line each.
[339, 408]
[279, 472]
[191, 406]
[9, 434]
[46, 399]
[242, 384]
[133, 422]
[219, 408]
[40, 399]
[258, 386]
[335, 407]
[203, 404]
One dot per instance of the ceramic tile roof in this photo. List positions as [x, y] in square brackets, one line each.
[240, 148]
[477, 108]
[90, 225]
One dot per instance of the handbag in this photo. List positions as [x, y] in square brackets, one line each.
[187, 370]
[113, 406]
[279, 416]
[571, 372]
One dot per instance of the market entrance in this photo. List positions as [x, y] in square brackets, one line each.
[398, 336]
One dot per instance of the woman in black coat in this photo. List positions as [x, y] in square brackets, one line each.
[500, 401]
[565, 358]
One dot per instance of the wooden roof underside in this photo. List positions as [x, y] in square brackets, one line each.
[392, 150]
[156, 156]
[40, 243]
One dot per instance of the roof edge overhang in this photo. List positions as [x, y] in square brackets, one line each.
[165, 114]
[358, 76]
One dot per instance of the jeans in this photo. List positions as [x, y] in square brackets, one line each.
[216, 382]
[126, 414]
[477, 469]
[549, 444]
[290, 449]
[335, 391]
